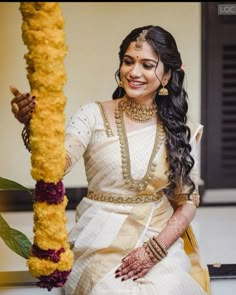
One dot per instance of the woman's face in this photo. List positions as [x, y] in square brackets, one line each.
[141, 72]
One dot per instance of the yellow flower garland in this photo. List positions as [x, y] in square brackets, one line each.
[42, 33]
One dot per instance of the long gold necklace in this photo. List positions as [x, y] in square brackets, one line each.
[137, 185]
[138, 112]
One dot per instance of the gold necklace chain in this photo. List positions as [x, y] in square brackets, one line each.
[137, 185]
[138, 112]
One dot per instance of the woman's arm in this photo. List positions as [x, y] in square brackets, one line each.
[176, 225]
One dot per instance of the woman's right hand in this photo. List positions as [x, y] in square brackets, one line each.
[22, 105]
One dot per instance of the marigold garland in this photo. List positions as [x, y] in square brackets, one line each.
[42, 31]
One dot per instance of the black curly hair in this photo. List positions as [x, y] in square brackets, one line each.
[172, 108]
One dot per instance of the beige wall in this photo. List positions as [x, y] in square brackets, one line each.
[94, 32]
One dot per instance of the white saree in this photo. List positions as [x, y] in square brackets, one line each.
[105, 231]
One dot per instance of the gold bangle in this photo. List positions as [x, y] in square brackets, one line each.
[154, 252]
[157, 248]
[160, 245]
[149, 252]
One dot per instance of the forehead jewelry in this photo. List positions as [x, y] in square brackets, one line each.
[140, 39]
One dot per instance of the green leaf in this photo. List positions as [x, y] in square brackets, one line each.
[16, 241]
[3, 222]
[8, 184]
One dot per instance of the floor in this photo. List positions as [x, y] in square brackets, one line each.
[214, 226]
[216, 231]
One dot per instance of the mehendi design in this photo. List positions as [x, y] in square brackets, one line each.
[137, 263]
[178, 224]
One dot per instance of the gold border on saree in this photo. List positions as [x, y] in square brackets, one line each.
[118, 199]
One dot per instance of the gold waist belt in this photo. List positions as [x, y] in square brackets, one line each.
[118, 199]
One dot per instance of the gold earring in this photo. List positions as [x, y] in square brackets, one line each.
[163, 91]
[121, 84]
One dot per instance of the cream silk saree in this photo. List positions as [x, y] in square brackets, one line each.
[106, 231]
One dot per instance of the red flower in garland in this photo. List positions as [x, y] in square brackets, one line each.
[49, 192]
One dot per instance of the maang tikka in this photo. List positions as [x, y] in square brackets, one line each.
[140, 39]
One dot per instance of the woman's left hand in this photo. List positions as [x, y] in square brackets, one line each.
[136, 264]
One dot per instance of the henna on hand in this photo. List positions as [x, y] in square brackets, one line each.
[136, 264]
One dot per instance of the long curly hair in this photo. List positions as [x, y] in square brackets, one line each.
[172, 108]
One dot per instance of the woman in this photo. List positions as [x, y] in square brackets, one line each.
[132, 232]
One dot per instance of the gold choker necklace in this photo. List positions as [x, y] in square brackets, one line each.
[138, 112]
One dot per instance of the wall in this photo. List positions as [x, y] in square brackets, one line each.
[94, 32]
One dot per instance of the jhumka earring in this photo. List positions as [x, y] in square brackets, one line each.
[163, 91]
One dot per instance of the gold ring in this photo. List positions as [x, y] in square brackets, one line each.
[15, 108]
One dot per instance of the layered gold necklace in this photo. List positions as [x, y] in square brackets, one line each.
[138, 112]
[137, 185]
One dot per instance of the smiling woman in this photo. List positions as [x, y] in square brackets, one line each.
[133, 233]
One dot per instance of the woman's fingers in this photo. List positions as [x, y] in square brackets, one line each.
[21, 99]
[132, 273]
[14, 90]
[140, 274]
[24, 117]
[135, 265]
[23, 105]
[125, 269]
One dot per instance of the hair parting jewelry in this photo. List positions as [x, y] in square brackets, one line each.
[140, 39]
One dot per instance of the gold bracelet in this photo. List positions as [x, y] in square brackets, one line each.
[157, 248]
[149, 252]
[160, 245]
[154, 252]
